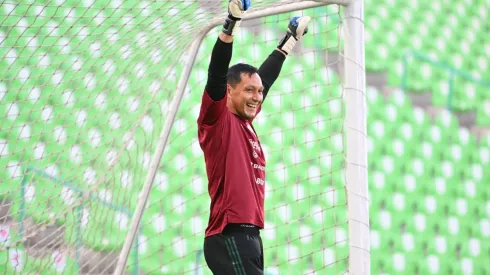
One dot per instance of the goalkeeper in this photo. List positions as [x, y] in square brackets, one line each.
[235, 162]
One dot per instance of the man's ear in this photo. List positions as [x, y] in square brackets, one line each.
[228, 90]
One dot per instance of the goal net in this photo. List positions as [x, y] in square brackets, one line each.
[86, 89]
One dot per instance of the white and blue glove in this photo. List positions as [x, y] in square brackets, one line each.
[236, 10]
[298, 26]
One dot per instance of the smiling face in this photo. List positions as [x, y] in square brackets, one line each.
[245, 98]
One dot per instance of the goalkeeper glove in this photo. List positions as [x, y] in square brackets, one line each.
[236, 10]
[298, 26]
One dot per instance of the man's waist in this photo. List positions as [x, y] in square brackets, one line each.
[241, 228]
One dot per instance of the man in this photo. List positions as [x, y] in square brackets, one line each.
[235, 162]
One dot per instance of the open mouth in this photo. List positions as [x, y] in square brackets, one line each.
[251, 105]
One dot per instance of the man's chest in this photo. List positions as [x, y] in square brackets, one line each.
[244, 136]
[245, 156]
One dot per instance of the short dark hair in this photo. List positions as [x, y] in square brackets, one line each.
[235, 72]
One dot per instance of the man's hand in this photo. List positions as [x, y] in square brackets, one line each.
[236, 10]
[298, 26]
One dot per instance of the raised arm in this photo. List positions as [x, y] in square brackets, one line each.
[222, 50]
[271, 68]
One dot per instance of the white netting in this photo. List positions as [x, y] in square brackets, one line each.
[84, 92]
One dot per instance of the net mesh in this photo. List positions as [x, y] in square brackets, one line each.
[84, 92]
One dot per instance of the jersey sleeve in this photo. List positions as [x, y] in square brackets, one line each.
[210, 110]
[271, 68]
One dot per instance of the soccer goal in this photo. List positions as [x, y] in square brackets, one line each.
[100, 168]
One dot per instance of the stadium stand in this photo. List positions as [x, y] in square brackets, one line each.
[430, 203]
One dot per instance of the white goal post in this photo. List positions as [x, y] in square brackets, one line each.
[354, 125]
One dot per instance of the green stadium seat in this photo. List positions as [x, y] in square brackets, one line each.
[434, 264]
[377, 182]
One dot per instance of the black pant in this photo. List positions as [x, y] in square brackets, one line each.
[237, 250]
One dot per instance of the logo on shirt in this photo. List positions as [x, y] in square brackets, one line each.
[259, 181]
[255, 144]
[258, 166]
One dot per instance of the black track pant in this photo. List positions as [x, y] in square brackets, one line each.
[237, 250]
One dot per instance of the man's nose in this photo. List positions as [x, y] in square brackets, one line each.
[257, 97]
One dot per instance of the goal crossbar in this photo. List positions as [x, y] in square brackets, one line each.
[355, 122]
